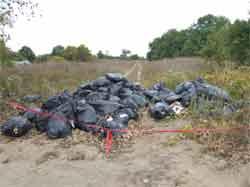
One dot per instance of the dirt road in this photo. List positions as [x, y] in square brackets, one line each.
[147, 161]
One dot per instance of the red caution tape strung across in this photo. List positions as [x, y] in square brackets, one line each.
[109, 132]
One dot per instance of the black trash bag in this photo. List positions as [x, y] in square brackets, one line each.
[160, 110]
[213, 92]
[112, 124]
[184, 87]
[86, 86]
[81, 93]
[95, 96]
[55, 101]
[33, 114]
[103, 107]
[86, 115]
[101, 82]
[67, 109]
[41, 123]
[171, 97]
[130, 103]
[58, 126]
[130, 112]
[125, 92]
[115, 88]
[114, 98]
[31, 98]
[161, 87]
[152, 95]
[103, 89]
[16, 127]
[139, 100]
[115, 77]
[188, 96]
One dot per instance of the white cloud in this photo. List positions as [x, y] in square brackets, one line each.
[114, 24]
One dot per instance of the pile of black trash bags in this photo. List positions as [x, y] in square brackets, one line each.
[108, 102]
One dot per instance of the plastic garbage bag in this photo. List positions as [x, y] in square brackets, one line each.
[112, 124]
[115, 77]
[33, 114]
[213, 92]
[160, 110]
[95, 96]
[41, 123]
[16, 127]
[125, 92]
[130, 103]
[114, 98]
[54, 101]
[101, 82]
[139, 100]
[132, 114]
[58, 126]
[104, 107]
[86, 115]
[115, 88]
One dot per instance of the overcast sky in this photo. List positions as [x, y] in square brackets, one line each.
[112, 25]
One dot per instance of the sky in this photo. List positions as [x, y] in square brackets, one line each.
[113, 25]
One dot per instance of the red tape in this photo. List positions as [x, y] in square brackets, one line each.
[109, 132]
[108, 143]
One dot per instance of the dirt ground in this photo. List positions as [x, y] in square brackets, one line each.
[148, 161]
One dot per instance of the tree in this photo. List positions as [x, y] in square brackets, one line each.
[70, 53]
[27, 53]
[83, 53]
[58, 50]
[239, 42]
[11, 9]
[125, 53]
[100, 55]
[187, 42]
[217, 49]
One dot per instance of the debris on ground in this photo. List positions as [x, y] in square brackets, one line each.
[109, 102]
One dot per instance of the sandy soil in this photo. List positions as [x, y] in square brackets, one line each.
[148, 161]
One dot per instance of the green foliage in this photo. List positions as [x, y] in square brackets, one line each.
[189, 42]
[42, 58]
[239, 42]
[70, 53]
[125, 53]
[58, 50]
[216, 49]
[27, 53]
[81, 53]
[4, 55]
[100, 55]
[134, 57]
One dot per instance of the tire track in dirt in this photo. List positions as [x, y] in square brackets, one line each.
[131, 70]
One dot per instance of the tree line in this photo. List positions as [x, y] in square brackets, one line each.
[212, 37]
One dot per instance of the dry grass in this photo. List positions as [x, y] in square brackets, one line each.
[48, 79]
